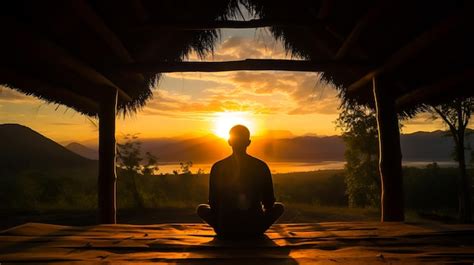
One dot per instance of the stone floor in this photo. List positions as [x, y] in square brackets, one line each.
[297, 243]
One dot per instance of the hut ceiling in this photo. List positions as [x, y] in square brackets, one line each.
[70, 52]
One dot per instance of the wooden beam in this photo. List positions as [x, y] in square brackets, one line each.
[107, 180]
[139, 10]
[437, 88]
[223, 24]
[390, 154]
[35, 86]
[94, 22]
[248, 64]
[372, 15]
[89, 16]
[325, 9]
[37, 49]
[410, 50]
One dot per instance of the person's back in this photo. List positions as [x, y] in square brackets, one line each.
[239, 186]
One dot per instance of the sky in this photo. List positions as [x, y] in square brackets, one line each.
[192, 104]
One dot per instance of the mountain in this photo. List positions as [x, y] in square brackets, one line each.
[83, 150]
[419, 146]
[427, 146]
[22, 148]
[301, 149]
[203, 149]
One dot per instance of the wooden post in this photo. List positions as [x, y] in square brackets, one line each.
[390, 155]
[107, 176]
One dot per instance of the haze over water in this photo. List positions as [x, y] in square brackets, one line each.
[286, 167]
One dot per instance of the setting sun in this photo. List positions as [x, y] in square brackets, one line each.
[224, 121]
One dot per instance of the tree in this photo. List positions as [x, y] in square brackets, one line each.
[456, 114]
[359, 132]
[130, 161]
[186, 167]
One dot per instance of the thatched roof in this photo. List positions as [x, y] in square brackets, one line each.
[61, 51]
[422, 50]
[65, 51]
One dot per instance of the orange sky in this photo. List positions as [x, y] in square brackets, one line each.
[191, 103]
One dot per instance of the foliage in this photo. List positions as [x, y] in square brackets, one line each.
[456, 114]
[430, 189]
[185, 167]
[359, 132]
[129, 157]
[130, 166]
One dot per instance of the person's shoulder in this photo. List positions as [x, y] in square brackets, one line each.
[221, 163]
[258, 162]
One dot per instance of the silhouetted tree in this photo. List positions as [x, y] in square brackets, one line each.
[186, 167]
[359, 132]
[130, 161]
[456, 114]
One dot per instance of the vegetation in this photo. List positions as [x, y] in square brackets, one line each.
[131, 166]
[456, 114]
[359, 132]
[427, 190]
[319, 194]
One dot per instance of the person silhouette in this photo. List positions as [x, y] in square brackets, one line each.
[239, 186]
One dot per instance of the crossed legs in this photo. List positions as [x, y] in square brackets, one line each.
[269, 217]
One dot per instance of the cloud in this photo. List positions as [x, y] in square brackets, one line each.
[63, 123]
[261, 46]
[269, 92]
[260, 92]
[172, 103]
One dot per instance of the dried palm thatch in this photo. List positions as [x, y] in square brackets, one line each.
[421, 49]
[65, 51]
[60, 51]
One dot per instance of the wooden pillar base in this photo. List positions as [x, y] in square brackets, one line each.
[107, 149]
[390, 155]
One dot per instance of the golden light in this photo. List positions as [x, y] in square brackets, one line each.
[224, 121]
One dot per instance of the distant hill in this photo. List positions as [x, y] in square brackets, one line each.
[427, 146]
[419, 146]
[24, 149]
[301, 148]
[202, 149]
[83, 150]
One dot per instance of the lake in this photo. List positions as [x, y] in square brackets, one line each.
[285, 167]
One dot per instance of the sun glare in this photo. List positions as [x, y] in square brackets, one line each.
[224, 121]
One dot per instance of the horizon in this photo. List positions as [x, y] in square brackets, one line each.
[268, 135]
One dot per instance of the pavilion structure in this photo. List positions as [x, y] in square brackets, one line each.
[101, 58]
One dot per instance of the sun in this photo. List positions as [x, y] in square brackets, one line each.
[224, 121]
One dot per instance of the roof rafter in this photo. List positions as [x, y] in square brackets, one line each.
[325, 9]
[411, 49]
[139, 10]
[370, 17]
[248, 64]
[435, 89]
[108, 36]
[15, 79]
[48, 52]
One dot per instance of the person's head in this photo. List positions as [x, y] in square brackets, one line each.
[239, 138]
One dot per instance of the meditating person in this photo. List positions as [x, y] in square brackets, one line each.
[239, 186]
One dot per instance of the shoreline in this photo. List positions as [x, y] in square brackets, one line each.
[282, 167]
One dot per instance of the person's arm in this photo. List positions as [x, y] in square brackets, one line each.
[268, 198]
[212, 188]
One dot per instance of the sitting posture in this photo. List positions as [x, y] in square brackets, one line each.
[239, 186]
